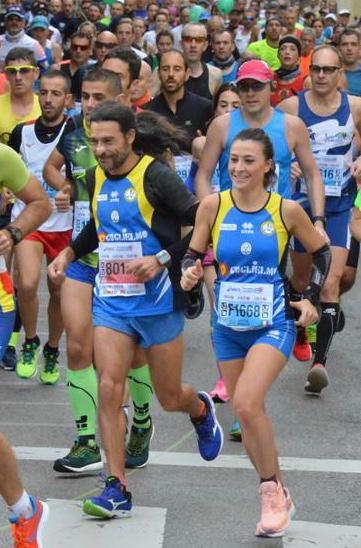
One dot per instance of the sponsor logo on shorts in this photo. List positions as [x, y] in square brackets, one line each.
[102, 197]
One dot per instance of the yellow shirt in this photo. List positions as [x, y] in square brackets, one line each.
[8, 120]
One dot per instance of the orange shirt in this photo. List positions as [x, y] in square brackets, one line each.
[305, 61]
[3, 84]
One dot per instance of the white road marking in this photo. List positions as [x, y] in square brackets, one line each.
[68, 527]
[307, 534]
[166, 458]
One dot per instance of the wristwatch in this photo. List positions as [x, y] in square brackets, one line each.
[15, 233]
[163, 258]
[320, 218]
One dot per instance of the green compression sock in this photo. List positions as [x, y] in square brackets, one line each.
[83, 395]
[14, 339]
[141, 392]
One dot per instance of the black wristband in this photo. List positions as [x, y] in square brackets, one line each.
[320, 218]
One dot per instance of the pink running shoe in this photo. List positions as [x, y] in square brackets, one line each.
[276, 510]
[219, 392]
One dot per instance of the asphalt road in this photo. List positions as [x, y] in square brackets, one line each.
[181, 501]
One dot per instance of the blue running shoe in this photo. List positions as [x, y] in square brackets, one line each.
[114, 502]
[209, 431]
[10, 359]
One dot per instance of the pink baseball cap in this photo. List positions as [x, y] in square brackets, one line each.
[255, 70]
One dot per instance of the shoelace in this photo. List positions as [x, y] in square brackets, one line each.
[136, 443]
[204, 428]
[51, 361]
[28, 353]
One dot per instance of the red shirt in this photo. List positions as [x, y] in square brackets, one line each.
[286, 89]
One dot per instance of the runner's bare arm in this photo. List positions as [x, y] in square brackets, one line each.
[52, 171]
[306, 160]
[210, 155]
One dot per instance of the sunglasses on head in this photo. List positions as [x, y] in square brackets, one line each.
[22, 69]
[254, 86]
[327, 69]
[79, 46]
[197, 39]
[107, 45]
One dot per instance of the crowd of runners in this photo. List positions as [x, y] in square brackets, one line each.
[152, 153]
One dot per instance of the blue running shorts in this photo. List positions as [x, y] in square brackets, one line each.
[147, 330]
[337, 228]
[7, 320]
[232, 345]
[81, 272]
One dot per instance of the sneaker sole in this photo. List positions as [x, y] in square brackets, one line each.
[212, 409]
[132, 466]
[48, 383]
[318, 379]
[91, 509]
[276, 534]
[42, 521]
[94, 467]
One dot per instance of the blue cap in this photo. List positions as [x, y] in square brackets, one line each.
[204, 16]
[15, 10]
[39, 22]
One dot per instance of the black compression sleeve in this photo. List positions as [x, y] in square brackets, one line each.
[178, 249]
[321, 261]
[190, 258]
[86, 241]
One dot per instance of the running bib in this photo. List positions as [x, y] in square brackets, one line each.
[245, 306]
[183, 165]
[81, 217]
[331, 169]
[113, 280]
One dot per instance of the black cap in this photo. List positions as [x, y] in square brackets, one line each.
[290, 39]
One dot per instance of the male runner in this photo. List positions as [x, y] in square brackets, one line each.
[138, 207]
[35, 142]
[331, 117]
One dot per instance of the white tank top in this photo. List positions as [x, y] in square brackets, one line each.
[35, 154]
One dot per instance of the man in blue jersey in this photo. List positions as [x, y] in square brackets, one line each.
[350, 48]
[331, 117]
[287, 133]
[137, 209]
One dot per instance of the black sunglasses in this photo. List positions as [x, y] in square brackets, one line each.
[254, 86]
[326, 69]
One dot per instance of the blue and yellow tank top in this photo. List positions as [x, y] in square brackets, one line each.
[251, 252]
[123, 219]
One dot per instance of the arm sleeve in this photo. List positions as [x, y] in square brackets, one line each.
[321, 262]
[168, 192]
[86, 241]
[13, 173]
